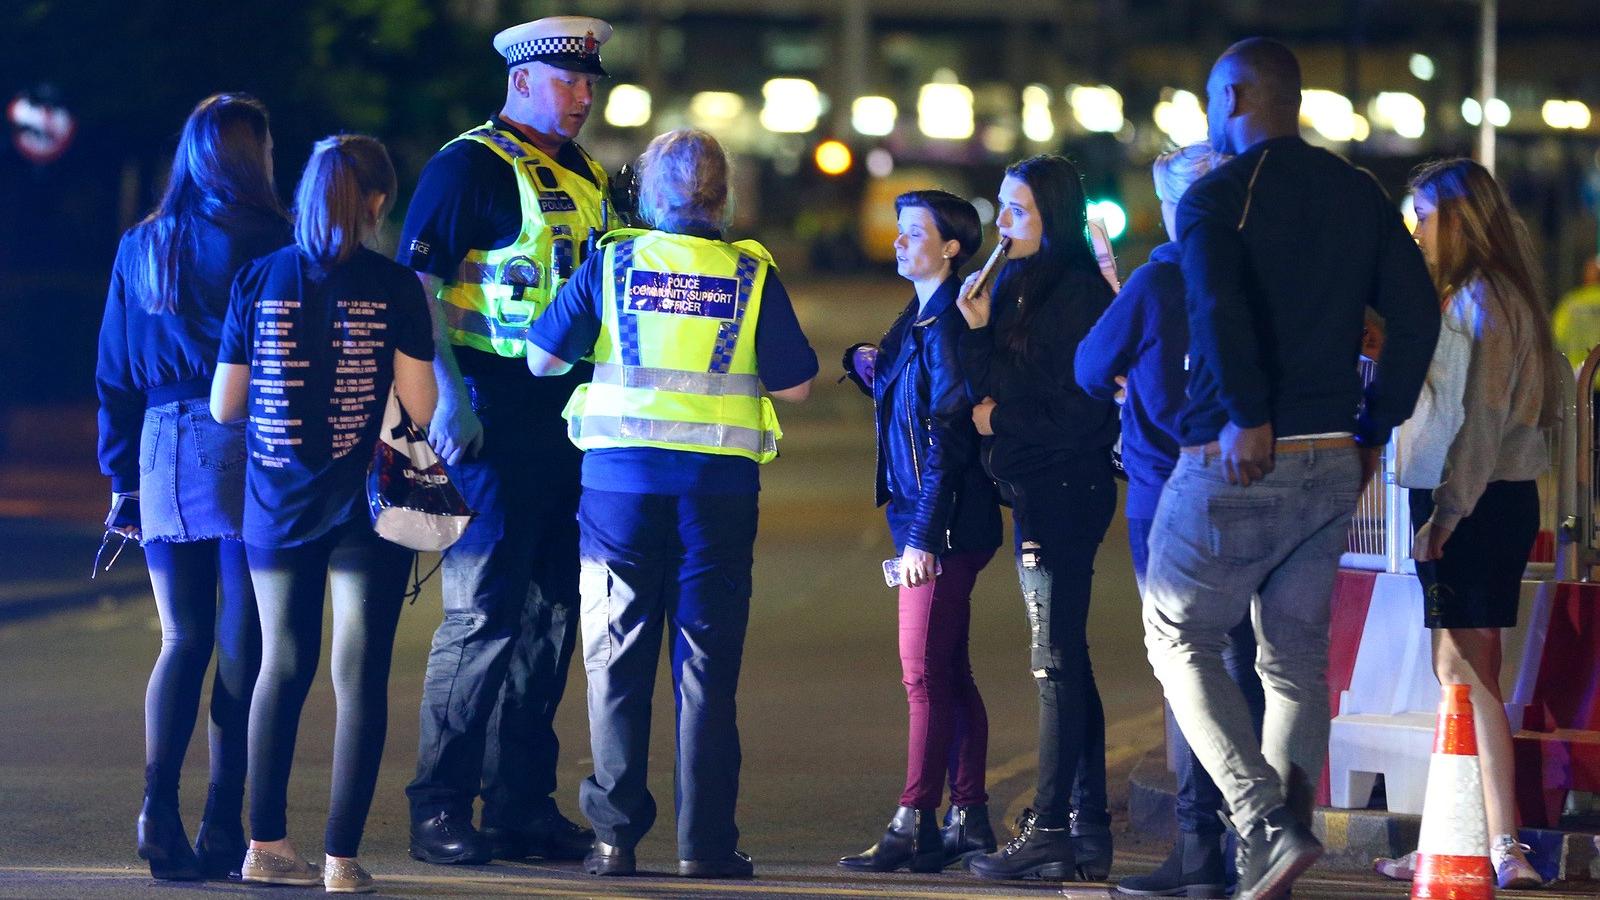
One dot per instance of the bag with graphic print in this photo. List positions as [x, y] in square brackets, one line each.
[409, 494]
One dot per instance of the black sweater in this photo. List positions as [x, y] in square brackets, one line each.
[1042, 419]
[1283, 249]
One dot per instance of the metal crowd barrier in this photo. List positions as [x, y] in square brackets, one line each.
[1380, 533]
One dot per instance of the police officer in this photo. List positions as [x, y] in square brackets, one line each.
[498, 222]
[685, 329]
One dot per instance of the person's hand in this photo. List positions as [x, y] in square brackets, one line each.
[1371, 458]
[865, 363]
[1246, 453]
[455, 431]
[1121, 396]
[1428, 545]
[917, 567]
[982, 412]
[974, 307]
[1372, 341]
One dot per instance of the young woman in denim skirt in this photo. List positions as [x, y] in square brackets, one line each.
[316, 335]
[945, 522]
[179, 474]
[1047, 445]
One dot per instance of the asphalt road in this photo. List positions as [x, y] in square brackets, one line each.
[822, 711]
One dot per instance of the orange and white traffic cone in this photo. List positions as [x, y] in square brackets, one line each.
[1453, 853]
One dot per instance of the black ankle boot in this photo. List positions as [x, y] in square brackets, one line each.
[219, 844]
[1194, 868]
[967, 833]
[1091, 844]
[1035, 851]
[911, 841]
[163, 842]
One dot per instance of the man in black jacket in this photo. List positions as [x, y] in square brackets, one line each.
[1283, 249]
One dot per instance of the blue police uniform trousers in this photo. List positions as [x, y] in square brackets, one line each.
[679, 564]
[499, 661]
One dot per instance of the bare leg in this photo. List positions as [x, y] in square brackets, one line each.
[1471, 656]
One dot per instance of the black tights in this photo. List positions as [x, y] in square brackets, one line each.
[368, 576]
[185, 577]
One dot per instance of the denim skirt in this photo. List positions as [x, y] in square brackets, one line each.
[191, 474]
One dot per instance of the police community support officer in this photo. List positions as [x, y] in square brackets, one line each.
[686, 329]
[498, 222]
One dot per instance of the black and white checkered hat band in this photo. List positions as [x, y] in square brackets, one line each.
[528, 51]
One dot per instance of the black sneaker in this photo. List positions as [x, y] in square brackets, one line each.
[735, 865]
[1034, 853]
[1194, 868]
[1273, 854]
[448, 839]
[605, 859]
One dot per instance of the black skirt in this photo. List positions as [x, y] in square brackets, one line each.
[1477, 581]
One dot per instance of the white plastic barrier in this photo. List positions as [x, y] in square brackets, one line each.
[1384, 723]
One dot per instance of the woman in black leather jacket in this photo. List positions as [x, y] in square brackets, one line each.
[1047, 445]
[946, 524]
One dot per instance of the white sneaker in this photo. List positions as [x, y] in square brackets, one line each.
[1400, 868]
[1511, 868]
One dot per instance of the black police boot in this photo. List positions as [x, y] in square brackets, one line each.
[219, 843]
[911, 841]
[1091, 845]
[548, 835]
[1194, 868]
[1273, 853]
[967, 833]
[448, 839]
[1035, 851]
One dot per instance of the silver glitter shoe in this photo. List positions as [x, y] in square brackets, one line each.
[265, 867]
[345, 876]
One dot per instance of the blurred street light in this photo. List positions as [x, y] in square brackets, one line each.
[1332, 115]
[1572, 114]
[944, 110]
[1096, 107]
[1422, 66]
[1112, 214]
[1399, 112]
[1038, 121]
[874, 116]
[628, 106]
[792, 105]
[1181, 118]
[833, 158]
[714, 110]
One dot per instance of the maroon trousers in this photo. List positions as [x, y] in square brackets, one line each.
[949, 726]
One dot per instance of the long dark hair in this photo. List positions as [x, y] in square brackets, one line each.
[332, 212]
[221, 165]
[1064, 251]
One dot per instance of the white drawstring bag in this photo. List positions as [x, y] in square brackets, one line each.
[409, 494]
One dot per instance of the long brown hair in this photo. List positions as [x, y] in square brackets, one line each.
[221, 165]
[1480, 237]
[332, 213]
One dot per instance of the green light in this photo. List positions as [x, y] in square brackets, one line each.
[1112, 214]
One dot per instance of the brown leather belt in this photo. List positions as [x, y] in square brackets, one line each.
[1291, 445]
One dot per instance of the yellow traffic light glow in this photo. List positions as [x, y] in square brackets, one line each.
[833, 158]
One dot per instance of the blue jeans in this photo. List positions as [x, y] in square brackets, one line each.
[1215, 544]
[679, 564]
[498, 665]
[1199, 800]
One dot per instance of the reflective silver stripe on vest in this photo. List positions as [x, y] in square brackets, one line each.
[706, 384]
[692, 434]
[473, 322]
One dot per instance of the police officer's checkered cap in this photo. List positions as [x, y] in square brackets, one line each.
[528, 51]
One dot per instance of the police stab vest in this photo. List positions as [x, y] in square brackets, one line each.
[675, 362]
[497, 293]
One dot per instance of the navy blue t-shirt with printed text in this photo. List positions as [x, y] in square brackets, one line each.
[320, 344]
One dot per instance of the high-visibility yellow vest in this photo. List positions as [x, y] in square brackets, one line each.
[675, 362]
[497, 293]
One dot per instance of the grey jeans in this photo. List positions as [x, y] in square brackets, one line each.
[1215, 544]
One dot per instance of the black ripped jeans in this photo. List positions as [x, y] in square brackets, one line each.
[1061, 517]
